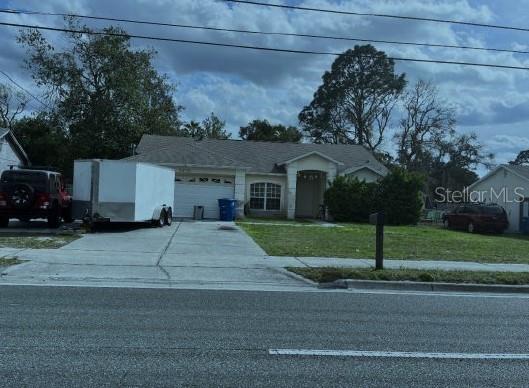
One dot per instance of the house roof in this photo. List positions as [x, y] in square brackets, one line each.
[255, 156]
[521, 171]
[311, 153]
[8, 134]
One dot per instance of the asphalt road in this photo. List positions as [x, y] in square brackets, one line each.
[59, 336]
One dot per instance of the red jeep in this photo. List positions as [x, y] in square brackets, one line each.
[31, 194]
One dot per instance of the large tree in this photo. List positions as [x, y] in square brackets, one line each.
[45, 142]
[105, 94]
[12, 105]
[212, 127]
[426, 121]
[428, 143]
[264, 131]
[521, 159]
[354, 103]
[452, 162]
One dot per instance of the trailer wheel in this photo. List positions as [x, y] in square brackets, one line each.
[169, 217]
[161, 220]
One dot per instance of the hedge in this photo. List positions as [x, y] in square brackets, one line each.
[397, 195]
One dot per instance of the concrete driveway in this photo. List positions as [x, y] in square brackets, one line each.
[185, 255]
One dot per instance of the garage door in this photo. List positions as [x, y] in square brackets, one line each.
[187, 195]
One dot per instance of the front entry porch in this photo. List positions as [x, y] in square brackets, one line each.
[310, 188]
[307, 178]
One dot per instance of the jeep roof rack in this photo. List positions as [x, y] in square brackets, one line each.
[42, 168]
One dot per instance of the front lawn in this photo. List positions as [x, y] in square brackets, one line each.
[36, 242]
[323, 275]
[400, 242]
[272, 220]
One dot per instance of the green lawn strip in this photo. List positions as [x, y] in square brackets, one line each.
[329, 274]
[36, 242]
[7, 261]
[400, 242]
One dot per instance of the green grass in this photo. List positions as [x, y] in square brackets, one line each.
[400, 242]
[273, 220]
[36, 242]
[6, 262]
[322, 275]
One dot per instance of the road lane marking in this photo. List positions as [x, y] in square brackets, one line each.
[381, 354]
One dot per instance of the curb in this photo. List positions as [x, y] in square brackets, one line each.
[295, 276]
[423, 286]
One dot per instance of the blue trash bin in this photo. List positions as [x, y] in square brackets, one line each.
[227, 209]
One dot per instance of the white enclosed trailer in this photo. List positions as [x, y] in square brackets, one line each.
[122, 191]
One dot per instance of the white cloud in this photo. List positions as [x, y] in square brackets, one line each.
[506, 142]
[241, 85]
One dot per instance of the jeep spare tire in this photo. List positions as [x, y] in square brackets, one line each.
[22, 196]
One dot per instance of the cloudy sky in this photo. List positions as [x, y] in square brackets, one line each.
[242, 85]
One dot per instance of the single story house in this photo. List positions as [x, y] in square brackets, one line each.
[268, 178]
[11, 152]
[508, 186]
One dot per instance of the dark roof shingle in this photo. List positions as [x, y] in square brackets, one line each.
[519, 169]
[257, 156]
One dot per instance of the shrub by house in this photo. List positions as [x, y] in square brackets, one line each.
[397, 194]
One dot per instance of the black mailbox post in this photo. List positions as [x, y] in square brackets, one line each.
[378, 220]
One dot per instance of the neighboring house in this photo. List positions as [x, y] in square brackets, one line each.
[508, 186]
[269, 178]
[11, 152]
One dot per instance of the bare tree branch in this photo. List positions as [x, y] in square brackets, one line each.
[12, 104]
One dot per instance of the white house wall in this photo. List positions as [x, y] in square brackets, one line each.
[240, 191]
[499, 180]
[366, 175]
[243, 179]
[8, 156]
[313, 162]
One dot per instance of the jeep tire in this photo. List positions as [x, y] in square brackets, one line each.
[54, 220]
[4, 222]
[21, 196]
[67, 214]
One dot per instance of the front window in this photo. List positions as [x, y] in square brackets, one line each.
[265, 196]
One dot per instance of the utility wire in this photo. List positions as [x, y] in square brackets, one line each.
[379, 15]
[258, 48]
[244, 31]
[24, 89]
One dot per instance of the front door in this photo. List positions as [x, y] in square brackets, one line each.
[309, 194]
